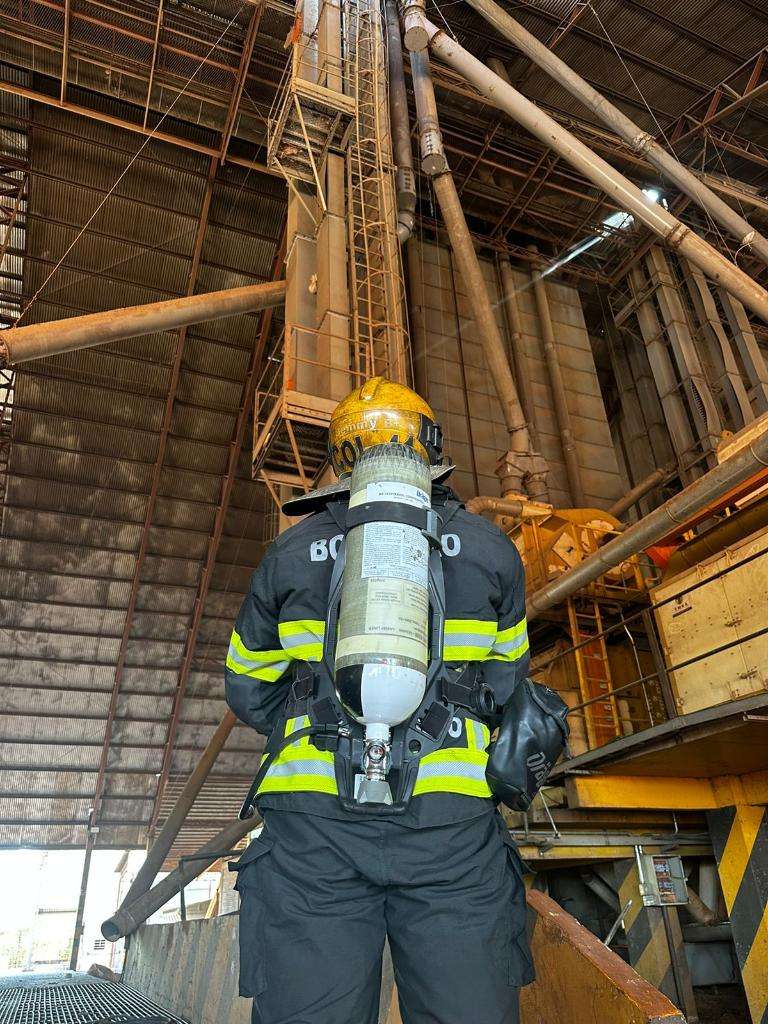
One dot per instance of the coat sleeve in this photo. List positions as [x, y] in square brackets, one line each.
[509, 659]
[256, 674]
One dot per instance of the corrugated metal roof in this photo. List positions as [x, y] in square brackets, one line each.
[86, 435]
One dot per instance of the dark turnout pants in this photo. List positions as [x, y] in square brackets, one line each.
[319, 896]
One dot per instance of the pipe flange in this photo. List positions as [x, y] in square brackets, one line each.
[677, 236]
[642, 143]
[415, 35]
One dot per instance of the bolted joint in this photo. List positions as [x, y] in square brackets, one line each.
[406, 181]
[415, 35]
[523, 473]
[433, 160]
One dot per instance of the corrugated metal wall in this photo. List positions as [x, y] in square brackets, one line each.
[473, 425]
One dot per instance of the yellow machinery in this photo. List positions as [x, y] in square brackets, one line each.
[551, 542]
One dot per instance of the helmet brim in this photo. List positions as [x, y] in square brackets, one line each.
[314, 501]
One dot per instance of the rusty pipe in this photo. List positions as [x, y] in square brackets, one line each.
[21, 344]
[645, 486]
[405, 179]
[434, 163]
[128, 918]
[698, 909]
[676, 235]
[639, 141]
[719, 481]
[557, 387]
[161, 847]
[496, 506]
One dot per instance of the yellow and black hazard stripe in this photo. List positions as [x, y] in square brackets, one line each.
[740, 843]
[646, 933]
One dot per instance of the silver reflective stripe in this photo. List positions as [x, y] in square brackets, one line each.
[469, 640]
[310, 767]
[439, 769]
[299, 639]
[512, 645]
[250, 665]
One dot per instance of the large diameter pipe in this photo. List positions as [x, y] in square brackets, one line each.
[657, 524]
[640, 141]
[624, 192]
[128, 918]
[477, 293]
[435, 164]
[21, 344]
[433, 158]
[559, 396]
[161, 847]
[401, 132]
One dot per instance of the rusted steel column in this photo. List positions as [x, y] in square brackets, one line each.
[559, 395]
[624, 192]
[130, 916]
[21, 344]
[170, 830]
[640, 141]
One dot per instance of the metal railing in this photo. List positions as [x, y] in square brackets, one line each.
[652, 690]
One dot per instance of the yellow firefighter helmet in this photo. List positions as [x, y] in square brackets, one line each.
[379, 412]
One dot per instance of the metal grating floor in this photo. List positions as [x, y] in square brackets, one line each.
[76, 999]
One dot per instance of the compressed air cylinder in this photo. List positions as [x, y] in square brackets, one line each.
[382, 648]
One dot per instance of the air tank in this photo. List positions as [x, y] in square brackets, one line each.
[382, 647]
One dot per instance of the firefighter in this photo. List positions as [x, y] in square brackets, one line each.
[323, 885]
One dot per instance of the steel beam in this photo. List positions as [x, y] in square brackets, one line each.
[715, 112]
[132, 126]
[653, 792]
[242, 74]
[153, 65]
[65, 51]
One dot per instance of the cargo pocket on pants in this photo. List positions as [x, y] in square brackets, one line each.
[253, 977]
[513, 954]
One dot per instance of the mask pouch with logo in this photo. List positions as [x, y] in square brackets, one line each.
[532, 736]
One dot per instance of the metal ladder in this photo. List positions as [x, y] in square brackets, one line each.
[602, 718]
[376, 282]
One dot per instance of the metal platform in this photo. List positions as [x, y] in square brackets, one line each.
[76, 999]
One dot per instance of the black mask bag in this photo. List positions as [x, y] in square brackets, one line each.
[532, 736]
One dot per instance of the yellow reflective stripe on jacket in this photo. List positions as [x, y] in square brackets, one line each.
[302, 639]
[468, 639]
[301, 767]
[266, 666]
[510, 644]
[457, 769]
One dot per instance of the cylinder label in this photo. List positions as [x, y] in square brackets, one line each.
[395, 551]
[391, 490]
